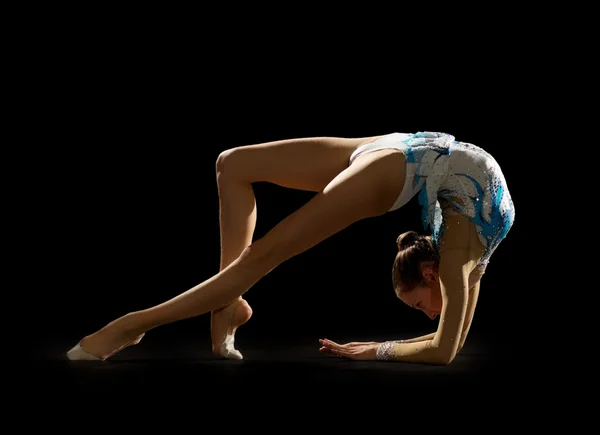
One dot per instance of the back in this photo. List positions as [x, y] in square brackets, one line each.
[475, 187]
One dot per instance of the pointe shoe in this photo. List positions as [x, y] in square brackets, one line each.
[78, 354]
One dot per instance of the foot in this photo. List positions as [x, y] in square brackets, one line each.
[224, 323]
[98, 347]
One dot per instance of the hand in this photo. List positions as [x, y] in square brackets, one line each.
[355, 350]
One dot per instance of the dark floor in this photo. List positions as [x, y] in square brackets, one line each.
[269, 366]
[161, 378]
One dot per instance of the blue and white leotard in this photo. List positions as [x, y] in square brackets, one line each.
[458, 174]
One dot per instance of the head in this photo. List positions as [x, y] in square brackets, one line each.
[415, 273]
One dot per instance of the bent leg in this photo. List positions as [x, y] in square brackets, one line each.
[237, 221]
[303, 164]
[366, 189]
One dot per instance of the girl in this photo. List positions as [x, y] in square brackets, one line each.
[465, 201]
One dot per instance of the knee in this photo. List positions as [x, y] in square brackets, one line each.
[224, 157]
[227, 162]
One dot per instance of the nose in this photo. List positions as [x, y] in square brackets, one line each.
[431, 314]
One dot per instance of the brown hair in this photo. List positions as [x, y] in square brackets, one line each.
[413, 250]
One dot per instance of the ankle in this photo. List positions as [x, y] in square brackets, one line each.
[230, 304]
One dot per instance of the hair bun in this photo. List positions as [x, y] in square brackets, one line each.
[407, 239]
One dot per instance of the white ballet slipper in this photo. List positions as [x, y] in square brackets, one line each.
[227, 349]
[78, 354]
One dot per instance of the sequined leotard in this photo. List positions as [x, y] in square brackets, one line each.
[457, 174]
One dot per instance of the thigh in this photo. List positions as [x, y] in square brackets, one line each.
[303, 164]
[367, 188]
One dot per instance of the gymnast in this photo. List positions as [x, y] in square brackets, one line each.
[466, 209]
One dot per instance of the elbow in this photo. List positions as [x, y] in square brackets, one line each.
[445, 360]
[442, 358]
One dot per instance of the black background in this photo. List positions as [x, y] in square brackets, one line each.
[131, 114]
[131, 210]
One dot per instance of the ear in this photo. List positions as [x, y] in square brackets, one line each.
[429, 275]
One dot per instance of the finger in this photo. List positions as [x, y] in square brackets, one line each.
[333, 344]
[330, 350]
[327, 347]
[335, 349]
[327, 350]
[333, 352]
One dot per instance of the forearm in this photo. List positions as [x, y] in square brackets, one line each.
[418, 339]
[423, 352]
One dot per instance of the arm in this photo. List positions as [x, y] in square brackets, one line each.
[438, 348]
[427, 349]
[473, 296]
[417, 339]
[472, 303]
[458, 257]
[443, 346]
[460, 253]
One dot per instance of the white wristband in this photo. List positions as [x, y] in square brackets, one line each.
[384, 350]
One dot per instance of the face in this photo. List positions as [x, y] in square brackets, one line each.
[428, 297]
